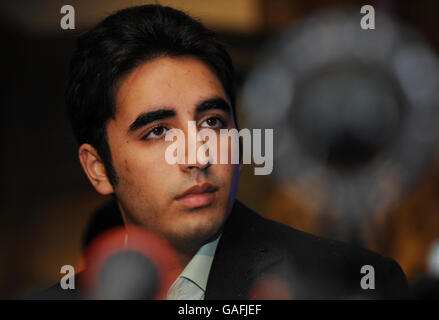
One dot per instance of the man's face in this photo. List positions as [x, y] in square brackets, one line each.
[155, 97]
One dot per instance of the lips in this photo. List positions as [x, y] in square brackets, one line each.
[198, 195]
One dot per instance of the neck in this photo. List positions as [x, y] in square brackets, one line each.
[185, 253]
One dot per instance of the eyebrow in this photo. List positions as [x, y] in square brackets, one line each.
[215, 103]
[146, 118]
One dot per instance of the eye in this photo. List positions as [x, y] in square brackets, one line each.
[155, 133]
[213, 122]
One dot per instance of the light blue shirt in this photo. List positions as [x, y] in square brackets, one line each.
[191, 283]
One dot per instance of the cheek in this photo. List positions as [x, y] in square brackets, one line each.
[144, 180]
[140, 164]
[227, 148]
[227, 173]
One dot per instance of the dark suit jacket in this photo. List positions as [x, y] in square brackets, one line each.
[253, 249]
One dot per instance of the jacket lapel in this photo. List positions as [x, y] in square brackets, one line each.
[241, 256]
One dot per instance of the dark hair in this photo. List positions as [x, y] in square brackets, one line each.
[119, 44]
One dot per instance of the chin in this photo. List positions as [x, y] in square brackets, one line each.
[203, 229]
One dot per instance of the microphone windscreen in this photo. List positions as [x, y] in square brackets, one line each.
[127, 275]
[128, 263]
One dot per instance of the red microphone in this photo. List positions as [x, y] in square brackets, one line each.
[128, 263]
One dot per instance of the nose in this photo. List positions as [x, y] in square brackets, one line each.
[192, 167]
[192, 148]
[192, 163]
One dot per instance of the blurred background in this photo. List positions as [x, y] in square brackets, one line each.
[355, 118]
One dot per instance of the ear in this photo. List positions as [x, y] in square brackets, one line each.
[94, 169]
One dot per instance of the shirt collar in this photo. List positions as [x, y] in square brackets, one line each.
[197, 270]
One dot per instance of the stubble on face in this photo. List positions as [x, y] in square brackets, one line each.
[147, 185]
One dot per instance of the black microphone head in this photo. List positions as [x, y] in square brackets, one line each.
[127, 275]
[128, 263]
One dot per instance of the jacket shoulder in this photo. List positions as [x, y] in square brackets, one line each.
[55, 292]
[332, 268]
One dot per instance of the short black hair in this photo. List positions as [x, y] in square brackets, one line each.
[122, 42]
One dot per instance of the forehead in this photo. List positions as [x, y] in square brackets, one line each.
[179, 83]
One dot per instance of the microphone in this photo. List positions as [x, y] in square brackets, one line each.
[128, 263]
[129, 275]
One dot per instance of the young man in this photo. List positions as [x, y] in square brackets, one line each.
[146, 70]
